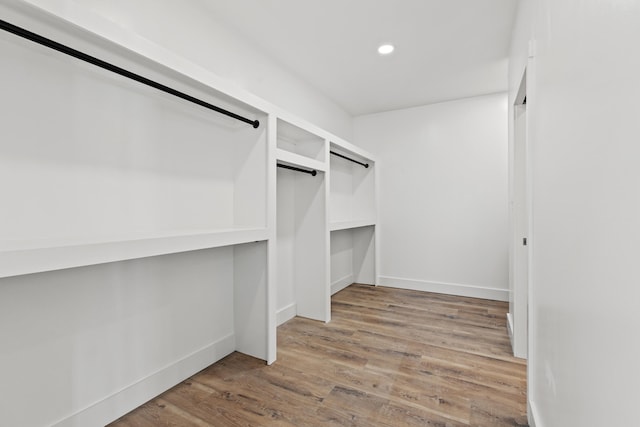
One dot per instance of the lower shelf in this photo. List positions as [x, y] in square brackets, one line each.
[26, 257]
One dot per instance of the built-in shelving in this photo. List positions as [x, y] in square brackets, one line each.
[293, 159]
[295, 139]
[302, 236]
[135, 221]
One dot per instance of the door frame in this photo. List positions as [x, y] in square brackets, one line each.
[520, 215]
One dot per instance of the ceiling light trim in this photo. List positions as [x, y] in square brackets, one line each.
[386, 49]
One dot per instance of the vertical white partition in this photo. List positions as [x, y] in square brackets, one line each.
[251, 308]
[302, 233]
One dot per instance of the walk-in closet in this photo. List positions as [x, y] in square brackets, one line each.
[155, 219]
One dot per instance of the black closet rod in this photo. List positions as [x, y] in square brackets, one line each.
[26, 34]
[312, 172]
[366, 165]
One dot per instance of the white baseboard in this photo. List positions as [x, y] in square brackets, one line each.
[533, 415]
[119, 403]
[340, 284]
[510, 327]
[445, 288]
[286, 313]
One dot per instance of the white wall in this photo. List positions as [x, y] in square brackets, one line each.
[443, 195]
[189, 29]
[583, 133]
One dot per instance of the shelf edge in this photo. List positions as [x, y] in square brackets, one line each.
[347, 225]
[39, 260]
[294, 159]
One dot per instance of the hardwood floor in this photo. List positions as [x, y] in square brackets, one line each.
[389, 357]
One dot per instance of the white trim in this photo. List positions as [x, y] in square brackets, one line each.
[286, 313]
[510, 328]
[533, 415]
[121, 402]
[342, 283]
[445, 288]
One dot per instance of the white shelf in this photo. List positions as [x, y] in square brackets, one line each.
[35, 256]
[347, 225]
[294, 159]
[294, 139]
[351, 150]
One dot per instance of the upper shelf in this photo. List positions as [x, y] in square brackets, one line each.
[299, 141]
[35, 256]
[293, 159]
[348, 225]
[352, 151]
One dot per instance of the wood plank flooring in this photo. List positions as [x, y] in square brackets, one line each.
[389, 357]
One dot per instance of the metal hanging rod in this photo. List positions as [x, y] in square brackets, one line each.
[36, 38]
[366, 165]
[312, 172]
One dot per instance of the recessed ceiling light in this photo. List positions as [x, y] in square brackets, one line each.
[385, 49]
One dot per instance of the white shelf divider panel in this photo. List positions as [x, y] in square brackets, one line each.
[22, 257]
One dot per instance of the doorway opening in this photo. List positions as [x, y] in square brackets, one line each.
[519, 215]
